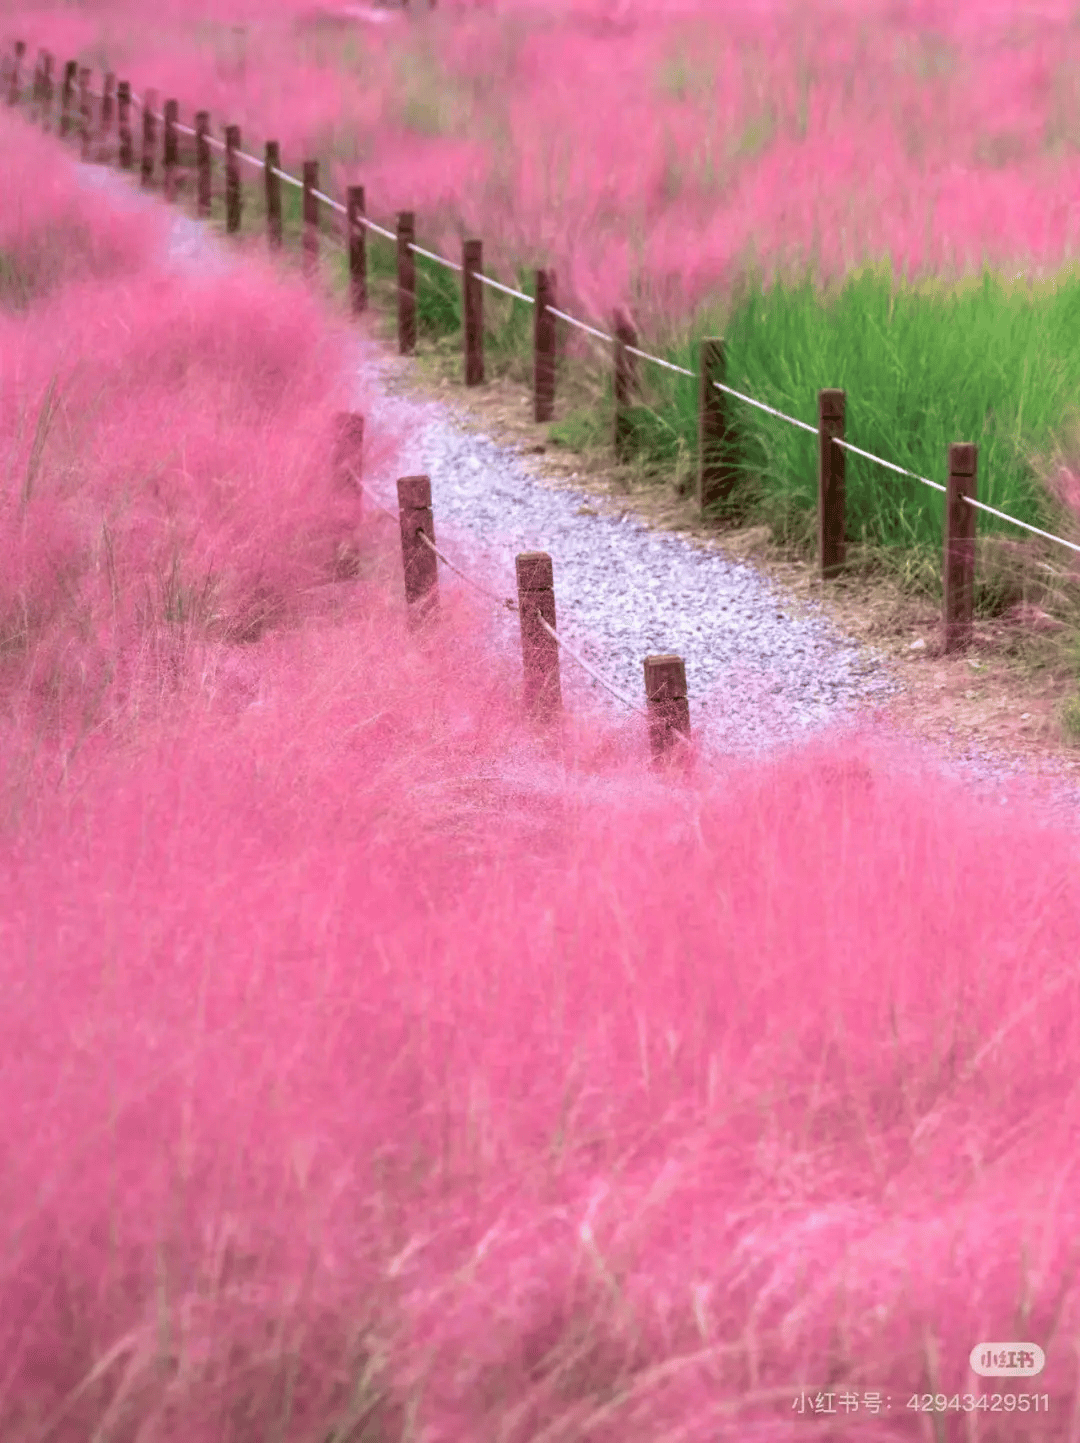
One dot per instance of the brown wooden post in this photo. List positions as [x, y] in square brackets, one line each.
[625, 382]
[357, 248]
[202, 161]
[232, 179]
[37, 86]
[311, 217]
[717, 473]
[544, 348]
[669, 710]
[348, 450]
[959, 571]
[832, 505]
[123, 123]
[108, 88]
[15, 89]
[149, 137]
[542, 693]
[406, 282]
[420, 562]
[473, 312]
[85, 111]
[273, 195]
[46, 88]
[66, 95]
[171, 152]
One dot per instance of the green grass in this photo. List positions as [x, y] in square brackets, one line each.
[922, 365]
[978, 361]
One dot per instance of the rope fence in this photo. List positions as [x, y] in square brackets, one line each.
[667, 706]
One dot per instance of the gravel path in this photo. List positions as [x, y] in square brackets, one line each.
[757, 674]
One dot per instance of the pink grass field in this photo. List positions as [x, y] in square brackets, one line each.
[375, 1068]
[646, 152]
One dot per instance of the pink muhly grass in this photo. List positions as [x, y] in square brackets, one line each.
[351, 1032]
[641, 153]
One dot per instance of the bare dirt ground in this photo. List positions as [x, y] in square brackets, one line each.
[1001, 701]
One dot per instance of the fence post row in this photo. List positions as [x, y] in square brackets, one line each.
[832, 503]
[473, 311]
[311, 217]
[273, 195]
[542, 693]
[544, 348]
[66, 94]
[232, 179]
[959, 567]
[625, 378]
[123, 123]
[202, 160]
[665, 675]
[419, 561]
[357, 248]
[149, 137]
[716, 459]
[406, 282]
[668, 707]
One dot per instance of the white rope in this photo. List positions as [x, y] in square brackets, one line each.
[573, 321]
[657, 360]
[642, 711]
[508, 290]
[389, 234]
[762, 407]
[502, 600]
[900, 470]
[251, 159]
[329, 200]
[983, 507]
[565, 646]
[284, 175]
[420, 251]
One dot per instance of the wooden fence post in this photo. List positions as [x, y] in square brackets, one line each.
[149, 138]
[357, 248]
[669, 710]
[85, 111]
[108, 88]
[123, 123]
[544, 348]
[542, 693]
[832, 505]
[625, 383]
[202, 160]
[406, 282]
[15, 89]
[717, 473]
[420, 562]
[273, 195]
[959, 573]
[171, 153]
[66, 95]
[46, 88]
[311, 217]
[473, 312]
[232, 179]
